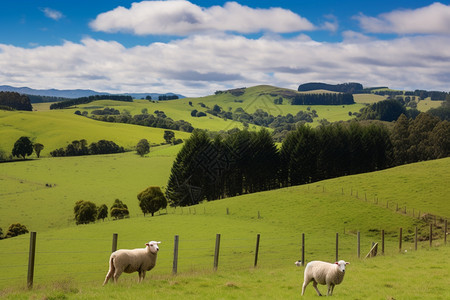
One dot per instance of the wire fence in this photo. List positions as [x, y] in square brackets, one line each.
[78, 259]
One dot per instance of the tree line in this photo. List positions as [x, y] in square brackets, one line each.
[81, 147]
[351, 87]
[85, 100]
[240, 162]
[14, 101]
[323, 99]
[158, 120]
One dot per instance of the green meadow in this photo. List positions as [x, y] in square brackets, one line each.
[72, 261]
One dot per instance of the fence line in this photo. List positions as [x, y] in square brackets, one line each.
[254, 251]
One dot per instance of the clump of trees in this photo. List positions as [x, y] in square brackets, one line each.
[386, 110]
[151, 200]
[23, 147]
[86, 212]
[119, 210]
[16, 101]
[80, 147]
[14, 229]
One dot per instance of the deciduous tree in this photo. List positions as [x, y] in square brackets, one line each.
[151, 200]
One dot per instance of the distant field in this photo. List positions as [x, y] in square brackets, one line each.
[425, 105]
[58, 128]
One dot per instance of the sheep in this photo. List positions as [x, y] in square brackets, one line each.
[138, 260]
[320, 272]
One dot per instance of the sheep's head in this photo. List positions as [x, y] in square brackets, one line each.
[341, 265]
[153, 246]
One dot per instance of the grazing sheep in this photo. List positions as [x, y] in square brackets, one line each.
[137, 260]
[320, 272]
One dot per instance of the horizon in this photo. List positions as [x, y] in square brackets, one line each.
[194, 48]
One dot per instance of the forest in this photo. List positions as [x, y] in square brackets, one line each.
[239, 162]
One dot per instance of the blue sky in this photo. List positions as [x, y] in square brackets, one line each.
[197, 47]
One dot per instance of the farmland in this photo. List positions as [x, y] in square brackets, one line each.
[71, 261]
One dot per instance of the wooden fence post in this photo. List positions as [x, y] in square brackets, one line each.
[358, 244]
[175, 255]
[114, 242]
[400, 240]
[431, 235]
[415, 239]
[382, 241]
[216, 251]
[257, 249]
[303, 249]
[31, 256]
[337, 246]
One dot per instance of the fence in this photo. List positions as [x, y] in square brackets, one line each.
[250, 256]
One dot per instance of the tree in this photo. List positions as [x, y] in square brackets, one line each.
[151, 200]
[15, 230]
[169, 136]
[85, 212]
[143, 147]
[119, 210]
[22, 147]
[38, 148]
[102, 212]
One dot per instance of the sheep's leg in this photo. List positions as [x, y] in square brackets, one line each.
[141, 276]
[315, 286]
[305, 283]
[331, 289]
[117, 275]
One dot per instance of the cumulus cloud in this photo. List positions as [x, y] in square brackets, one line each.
[52, 14]
[432, 19]
[181, 17]
[201, 64]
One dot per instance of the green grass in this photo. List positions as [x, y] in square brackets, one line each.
[98, 178]
[319, 210]
[57, 129]
[412, 275]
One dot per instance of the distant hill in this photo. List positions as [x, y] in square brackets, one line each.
[78, 93]
[351, 87]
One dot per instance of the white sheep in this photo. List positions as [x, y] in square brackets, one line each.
[325, 273]
[137, 260]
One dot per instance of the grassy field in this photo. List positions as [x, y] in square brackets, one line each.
[56, 129]
[71, 261]
[74, 258]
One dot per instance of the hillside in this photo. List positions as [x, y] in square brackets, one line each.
[56, 129]
[319, 210]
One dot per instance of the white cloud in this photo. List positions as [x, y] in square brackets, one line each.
[432, 19]
[52, 14]
[201, 64]
[180, 17]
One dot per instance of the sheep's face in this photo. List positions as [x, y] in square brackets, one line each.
[341, 265]
[153, 246]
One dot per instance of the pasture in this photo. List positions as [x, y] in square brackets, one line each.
[72, 260]
[58, 128]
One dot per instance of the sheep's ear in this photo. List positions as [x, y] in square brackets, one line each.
[336, 263]
[158, 242]
[147, 244]
[347, 263]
